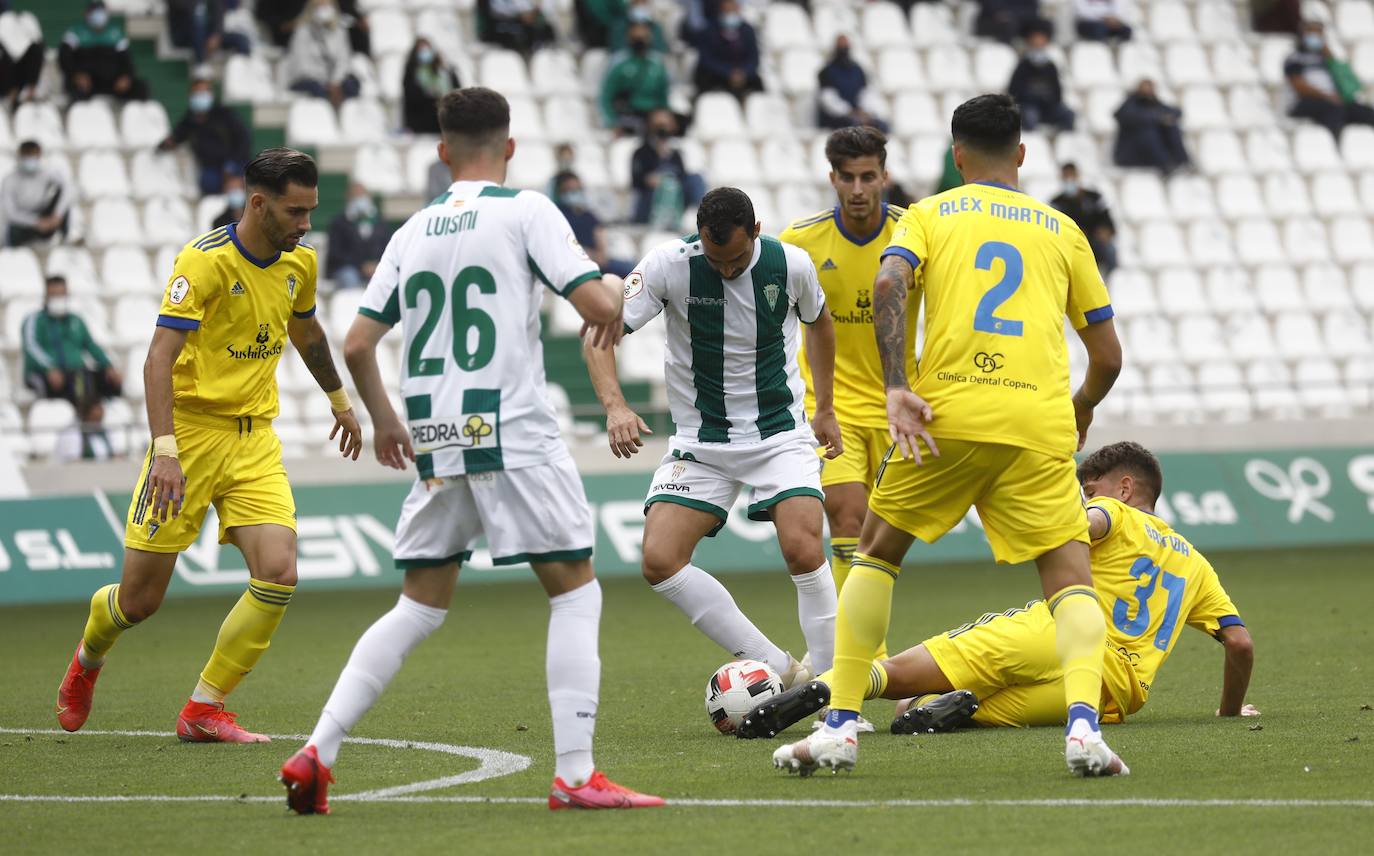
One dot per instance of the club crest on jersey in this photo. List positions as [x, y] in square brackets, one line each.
[863, 301]
[678, 469]
[237, 291]
[264, 333]
[291, 284]
[770, 293]
[577, 247]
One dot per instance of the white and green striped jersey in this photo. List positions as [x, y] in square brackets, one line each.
[464, 278]
[731, 362]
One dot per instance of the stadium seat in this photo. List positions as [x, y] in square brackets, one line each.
[1273, 50]
[915, 113]
[784, 161]
[1313, 149]
[1079, 148]
[1223, 391]
[553, 71]
[1324, 288]
[114, 221]
[1272, 385]
[1091, 63]
[134, 319]
[420, 156]
[363, 120]
[16, 310]
[1276, 288]
[1334, 194]
[1142, 196]
[526, 122]
[1362, 60]
[884, 25]
[947, 68]
[1345, 334]
[767, 116]
[1161, 244]
[897, 67]
[1234, 64]
[1039, 157]
[1357, 147]
[20, 275]
[718, 117]
[934, 24]
[1355, 19]
[391, 77]
[1351, 240]
[1133, 294]
[1170, 22]
[1151, 339]
[1305, 240]
[532, 166]
[1136, 61]
[831, 19]
[1100, 112]
[47, 417]
[39, 120]
[1258, 245]
[1319, 387]
[7, 141]
[124, 270]
[1210, 243]
[797, 71]
[1219, 153]
[1200, 339]
[1191, 197]
[155, 173]
[343, 307]
[102, 173]
[592, 69]
[1187, 65]
[785, 26]
[311, 122]
[91, 125]
[1180, 292]
[378, 167]
[249, 80]
[568, 119]
[1268, 151]
[74, 263]
[1250, 108]
[1285, 195]
[927, 158]
[390, 32]
[1204, 109]
[446, 33]
[143, 124]
[1239, 196]
[1249, 337]
[733, 162]
[505, 71]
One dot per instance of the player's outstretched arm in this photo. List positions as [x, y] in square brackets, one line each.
[391, 441]
[166, 483]
[307, 335]
[1104, 364]
[907, 413]
[1240, 660]
[602, 307]
[820, 355]
[623, 425]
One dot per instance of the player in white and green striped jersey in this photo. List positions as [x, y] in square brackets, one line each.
[733, 301]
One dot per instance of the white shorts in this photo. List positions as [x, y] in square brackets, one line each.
[533, 514]
[709, 476]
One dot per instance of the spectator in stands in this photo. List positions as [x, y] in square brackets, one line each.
[636, 84]
[21, 55]
[427, 79]
[1005, 20]
[518, 25]
[1324, 88]
[198, 25]
[36, 198]
[95, 59]
[728, 55]
[1275, 16]
[356, 241]
[86, 439]
[593, 20]
[279, 18]
[1101, 20]
[1149, 133]
[61, 360]
[572, 201]
[843, 86]
[1035, 84]
[219, 139]
[235, 197]
[638, 12]
[663, 187]
[1089, 210]
[318, 61]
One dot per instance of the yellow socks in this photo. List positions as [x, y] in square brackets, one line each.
[1080, 632]
[877, 680]
[103, 626]
[860, 627]
[841, 554]
[244, 636]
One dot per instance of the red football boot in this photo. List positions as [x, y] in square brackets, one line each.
[74, 694]
[598, 792]
[307, 782]
[200, 722]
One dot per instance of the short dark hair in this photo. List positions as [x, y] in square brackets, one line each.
[857, 141]
[563, 177]
[724, 210]
[274, 169]
[29, 147]
[475, 112]
[1068, 165]
[54, 279]
[1132, 457]
[990, 124]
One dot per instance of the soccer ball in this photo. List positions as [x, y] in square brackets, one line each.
[737, 688]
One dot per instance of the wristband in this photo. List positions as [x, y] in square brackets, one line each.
[165, 446]
[338, 400]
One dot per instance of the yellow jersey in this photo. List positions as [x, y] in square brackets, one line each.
[999, 272]
[1152, 582]
[235, 308]
[847, 265]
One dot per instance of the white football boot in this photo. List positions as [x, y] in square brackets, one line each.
[1087, 754]
[837, 750]
[795, 674]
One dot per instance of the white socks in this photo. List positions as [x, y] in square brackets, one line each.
[574, 676]
[816, 608]
[375, 661]
[712, 610]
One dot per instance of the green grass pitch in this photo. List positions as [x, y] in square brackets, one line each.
[479, 682]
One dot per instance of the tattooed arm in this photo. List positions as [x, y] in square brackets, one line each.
[907, 414]
[307, 335]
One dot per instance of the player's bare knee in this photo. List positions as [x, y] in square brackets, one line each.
[802, 554]
[138, 604]
[659, 565]
[281, 571]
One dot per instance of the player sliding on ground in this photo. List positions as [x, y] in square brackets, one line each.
[845, 244]
[733, 301]
[1002, 670]
[235, 295]
[999, 272]
[464, 278]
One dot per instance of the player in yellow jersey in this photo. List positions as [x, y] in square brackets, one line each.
[999, 272]
[1002, 669]
[235, 296]
[845, 243]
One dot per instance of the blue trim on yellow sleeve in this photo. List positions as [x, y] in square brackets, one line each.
[178, 323]
[903, 253]
[1106, 514]
[1229, 621]
[1102, 313]
[309, 313]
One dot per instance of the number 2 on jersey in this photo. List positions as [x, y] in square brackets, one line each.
[464, 318]
[1143, 567]
[983, 319]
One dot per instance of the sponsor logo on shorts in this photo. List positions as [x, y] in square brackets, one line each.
[671, 487]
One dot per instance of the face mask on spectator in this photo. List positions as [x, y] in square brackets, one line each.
[201, 101]
[325, 16]
[1071, 188]
[97, 18]
[236, 197]
[58, 306]
[1038, 56]
[1313, 42]
[731, 21]
[640, 15]
[425, 55]
[661, 133]
[361, 208]
[30, 164]
[575, 199]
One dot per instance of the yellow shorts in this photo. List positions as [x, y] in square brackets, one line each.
[1009, 661]
[863, 455]
[1028, 502]
[239, 471]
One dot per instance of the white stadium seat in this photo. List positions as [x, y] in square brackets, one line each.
[167, 219]
[1136, 61]
[420, 156]
[16, 310]
[1276, 287]
[1200, 339]
[784, 161]
[526, 122]
[1091, 63]
[143, 124]
[883, 25]
[948, 69]
[1344, 334]
[1223, 390]
[1217, 22]
[1305, 240]
[114, 221]
[91, 125]
[1191, 197]
[1180, 292]
[124, 270]
[1357, 147]
[531, 167]
[1250, 108]
[1298, 336]
[20, 275]
[785, 26]
[363, 120]
[505, 71]
[155, 173]
[1239, 196]
[1268, 151]
[74, 263]
[39, 120]
[1257, 243]
[1313, 149]
[1351, 240]
[733, 162]
[1334, 193]
[831, 19]
[1249, 337]
[553, 71]
[390, 32]
[1170, 22]
[311, 122]
[1210, 243]
[897, 67]
[1355, 19]
[249, 80]
[1187, 64]
[798, 69]
[102, 173]
[718, 117]
[47, 417]
[1234, 63]
[1142, 197]
[378, 167]
[933, 24]
[1219, 153]
[568, 119]
[1161, 245]
[1204, 109]
[1324, 288]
